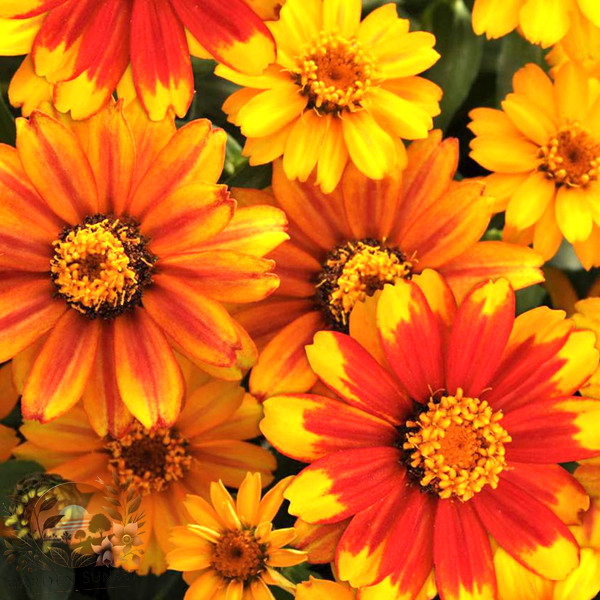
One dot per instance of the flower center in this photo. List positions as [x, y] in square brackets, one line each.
[335, 73]
[456, 446]
[353, 271]
[571, 157]
[101, 266]
[237, 555]
[153, 459]
[126, 539]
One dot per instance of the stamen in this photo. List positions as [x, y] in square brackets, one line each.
[353, 271]
[101, 266]
[335, 73]
[153, 459]
[456, 446]
[237, 555]
[571, 158]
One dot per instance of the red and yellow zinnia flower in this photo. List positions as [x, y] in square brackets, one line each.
[231, 550]
[544, 150]
[87, 48]
[116, 244]
[8, 400]
[165, 464]
[345, 246]
[447, 430]
[340, 90]
[541, 22]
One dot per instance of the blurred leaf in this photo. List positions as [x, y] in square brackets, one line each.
[493, 235]
[234, 161]
[251, 177]
[48, 504]
[12, 471]
[297, 573]
[529, 298]
[51, 522]
[566, 259]
[281, 594]
[60, 557]
[461, 50]
[515, 53]
[135, 504]
[8, 132]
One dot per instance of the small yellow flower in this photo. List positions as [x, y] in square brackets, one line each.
[231, 548]
[544, 150]
[540, 21]
[340, 90]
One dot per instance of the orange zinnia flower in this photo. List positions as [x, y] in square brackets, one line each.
[231, 550]
[116, 243]
[447, 429]
[84, 47]
[347, 245]
[8, 400]
[165, 464]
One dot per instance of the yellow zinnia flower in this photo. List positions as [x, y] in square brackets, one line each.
[165, 464]
[544, 147]
[340, 90]
[230, 552]
[540, 21]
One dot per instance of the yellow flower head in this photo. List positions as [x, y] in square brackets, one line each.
[340, 90]
[544, 150]
[540, 21]
[231, 549]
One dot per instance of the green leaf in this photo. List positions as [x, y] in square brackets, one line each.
[8, 132]
[12, 471]
[251, 177]
[297, 573]
[515, 53]
[461, 50]
[529, 298]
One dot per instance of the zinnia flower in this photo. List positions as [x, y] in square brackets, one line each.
[116, 243]
[544, 149]
[231, 549]
[340, 90]
[8, 400]
[515, 582]
[540, 21]
[321, 589]
[447, 430]
[164, 464]
[587, 316]
[87, 48]
[347, 245]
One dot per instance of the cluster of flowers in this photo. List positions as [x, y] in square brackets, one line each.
[137, 292]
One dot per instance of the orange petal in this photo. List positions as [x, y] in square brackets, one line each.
[62, 369]
[27, 311]
[148, 375]
[187, 217]
[51, 154]
[201, 327]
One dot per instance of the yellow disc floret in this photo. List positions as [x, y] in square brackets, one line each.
[571, 157]
[152, 458]
[354, 271]
[335, 73]
[100, 266]
[456, 446]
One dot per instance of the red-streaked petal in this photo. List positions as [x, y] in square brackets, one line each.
[393, 536]
[411, 339]
[554, 431]
[544, 358]
[298, 270]
[307, 427]
[61, 371]
[160, 59]
[527, 529]
[224, 275]
[282, 366]
[111, 152]
[195, 153]
[491, 260]
[479, 335]
[102, 59]
[342, 484]
[440, 298]
[553, 486]
[353, 374]
[187, 217]
[148, 375]
[51, 155]
[254, 230]
[22, 9]
[200, 326]
[464, 567]
[27, 311]
[102, 400]
[231, 32]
